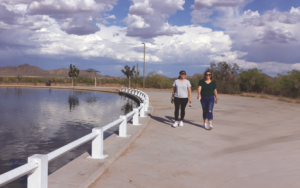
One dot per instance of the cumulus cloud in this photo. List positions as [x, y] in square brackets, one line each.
[7, 16]
[216, 3]
[75, 16]
[80, 26]
[201, 16]
[111, 17]
[275, 35]
[269, 37]
[148, 18]
[253, 18]
[16, 2]
[48, 7]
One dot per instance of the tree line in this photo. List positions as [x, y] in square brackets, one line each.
[231, 79]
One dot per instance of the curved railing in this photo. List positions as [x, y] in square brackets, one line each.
[37, 166]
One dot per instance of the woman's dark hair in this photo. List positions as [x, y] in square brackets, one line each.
[211, 76]
[181, 73]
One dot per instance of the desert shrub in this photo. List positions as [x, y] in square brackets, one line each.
[253, 80]
[195, 81]
[288, 85]
[226, 77]
[155, 80]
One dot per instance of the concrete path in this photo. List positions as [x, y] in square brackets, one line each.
[255, 143]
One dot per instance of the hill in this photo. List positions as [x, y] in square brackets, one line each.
[27, 70]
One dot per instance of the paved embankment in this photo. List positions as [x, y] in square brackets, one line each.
[100, 89]
[255, 143]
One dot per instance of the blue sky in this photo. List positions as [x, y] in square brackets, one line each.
[107, 34]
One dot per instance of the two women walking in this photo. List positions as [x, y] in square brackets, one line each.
[207, 94]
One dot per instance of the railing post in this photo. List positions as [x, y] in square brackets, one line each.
[146, 104]
[39, 177]
[135, 118]
[97, 144]
[123, 127]
[121, 89]
[142, 112]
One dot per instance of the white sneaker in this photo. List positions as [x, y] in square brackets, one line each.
[181, 124]
[205, 126]
[211, 127]
[175, 124]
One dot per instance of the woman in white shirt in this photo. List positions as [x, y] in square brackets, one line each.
[180, 96]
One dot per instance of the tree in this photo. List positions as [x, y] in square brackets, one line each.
[253, 80]
[128, 72]
[137, 73]
[226, 76]
[74, 72]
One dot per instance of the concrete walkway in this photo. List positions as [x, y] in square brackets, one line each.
[255, 143]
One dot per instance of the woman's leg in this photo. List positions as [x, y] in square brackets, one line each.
[204, 109]
[183, 104]
[211, 102]
[177, 105]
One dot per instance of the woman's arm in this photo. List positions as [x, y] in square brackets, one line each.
[190, 94]
[216, 95]
[173, 92]
[199, 91]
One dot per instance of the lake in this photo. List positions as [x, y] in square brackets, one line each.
[38, 121]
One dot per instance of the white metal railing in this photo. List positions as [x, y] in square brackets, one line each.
[37, 166]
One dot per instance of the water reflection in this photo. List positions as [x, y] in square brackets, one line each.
[38, 121]
[73, 102]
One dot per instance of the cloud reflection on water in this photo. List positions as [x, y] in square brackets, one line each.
[38, 121]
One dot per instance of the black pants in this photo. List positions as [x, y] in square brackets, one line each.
[180, 102]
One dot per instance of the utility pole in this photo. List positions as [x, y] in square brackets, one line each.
[144, 67]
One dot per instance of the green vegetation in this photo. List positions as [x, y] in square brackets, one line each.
[73, 73]
[128, 72]
[229, 77]
[226, 77]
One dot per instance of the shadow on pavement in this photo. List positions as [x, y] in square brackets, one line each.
[168, 120]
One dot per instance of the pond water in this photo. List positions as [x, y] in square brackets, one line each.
[38, 121]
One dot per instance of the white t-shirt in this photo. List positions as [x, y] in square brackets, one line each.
[181, 88]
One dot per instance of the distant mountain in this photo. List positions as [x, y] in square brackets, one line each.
[28, 70]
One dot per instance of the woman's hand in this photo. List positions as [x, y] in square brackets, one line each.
[172, 100]
[198, 97]
[190, 101]
[216, 101]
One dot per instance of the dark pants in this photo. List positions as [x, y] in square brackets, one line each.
[180, 102]
[207, 103]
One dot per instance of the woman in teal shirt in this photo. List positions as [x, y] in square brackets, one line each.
[207, 92]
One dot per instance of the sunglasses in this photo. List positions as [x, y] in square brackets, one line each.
[182, 74]
[207, 74]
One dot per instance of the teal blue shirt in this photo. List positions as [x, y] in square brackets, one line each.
[207, 89]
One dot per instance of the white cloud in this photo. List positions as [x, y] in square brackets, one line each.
[148, 18]
[201, 16]
[67, 7]
[111, 17]
[216, 3]
[136, 22]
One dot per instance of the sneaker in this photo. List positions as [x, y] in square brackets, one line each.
[211, 127]
[175, 124]
[181, 124]
[205, 126]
